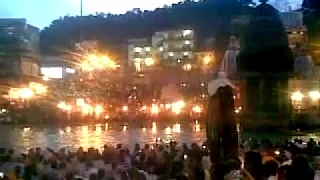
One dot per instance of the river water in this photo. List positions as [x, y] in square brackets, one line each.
[96, 135]
[21, 138]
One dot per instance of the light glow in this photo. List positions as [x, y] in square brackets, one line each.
[314, 95]
[297, 96]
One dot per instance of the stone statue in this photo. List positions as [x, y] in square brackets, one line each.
[229, 62]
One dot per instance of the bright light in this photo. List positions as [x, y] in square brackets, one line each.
[177, 106]
[52, 72]
[314, 95]
[187, 67]
[143, 108]
[45, 78]
[168, 130]
[176, 128]
[297, 96]
[237, 111]
[187, 42]
[186, 53]
[197, 109]
[171, 54]
[137, 49]
[161, 49]
[85, 66]
[68, 108]
[98, 109]
[154, 128]
[148, 49]
[62, 105]
[186, 32]
[167, 106]
[149, 61]
[106, 116]
[125, 108]
[207, 60]
[80, 102]
[86, 109]
[38, 88]
[26, 93]
[70, 70]
[124, 128]
[154, 109]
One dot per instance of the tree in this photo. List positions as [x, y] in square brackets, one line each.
[266, 62]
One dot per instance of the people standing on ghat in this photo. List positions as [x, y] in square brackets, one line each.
[264, 161]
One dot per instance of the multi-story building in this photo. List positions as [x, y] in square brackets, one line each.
[19, 51]
[140, 54]
[295, 28]
[174, 47]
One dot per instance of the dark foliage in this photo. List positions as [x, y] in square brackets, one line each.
[265, 45]
[210, 18]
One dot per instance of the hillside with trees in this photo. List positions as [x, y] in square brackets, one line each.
[209, 18]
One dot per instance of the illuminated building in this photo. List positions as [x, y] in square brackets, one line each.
[140, 54]
[295, 28]
[174, 47]
[55, 67]
[19, 51]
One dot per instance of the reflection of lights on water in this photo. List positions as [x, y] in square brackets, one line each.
[144, 129]
[177, 128]
[106, 126]
[98, 130]
[84, 129]
[154, 128]
[68, 129]
[124, 128]
[197, 127]
[26, 129]
[168, 130]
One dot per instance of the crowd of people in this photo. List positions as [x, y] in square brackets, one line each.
[293, 160]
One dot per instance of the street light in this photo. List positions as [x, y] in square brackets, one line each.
[297, 96]
[207, 60]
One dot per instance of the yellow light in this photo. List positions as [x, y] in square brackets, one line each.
[124, 128]
[149, 61]
[297, 96]
[154, 128]
[167, 106]
[168, 130]
[68, 129]
[144, 129]
[45, 78]
[237, 111]
[86, 109]
[197, 127]
[143, 108]
[177, 128]
[197, 109]
[85, 66]
[68, 108]
[187, 67]
[206, 60]
[138, 66]
[314, 95]
[125, 108]
[80, 102]
[98, 109]
[154, 109]
[106, 126]
[38, 88]
[106, 116]
[84, 129]
[26, 93]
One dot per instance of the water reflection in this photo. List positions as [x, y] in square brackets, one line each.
[97, 135]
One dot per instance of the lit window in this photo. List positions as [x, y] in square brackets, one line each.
[137, 49]
[70, 70]
[161, 48]
[186, 32]
[171, 54]
[187, 67]
[186, 53]
[148, 49]
[187, 42]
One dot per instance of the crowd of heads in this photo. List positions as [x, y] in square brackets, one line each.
[257, 161]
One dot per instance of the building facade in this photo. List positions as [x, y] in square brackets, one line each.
[295, 28]
[19, 49]
[174, 47]
[141, 54]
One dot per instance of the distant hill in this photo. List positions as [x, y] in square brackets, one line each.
[209, 18]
